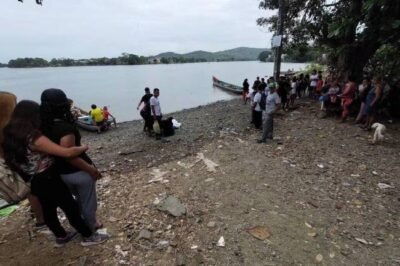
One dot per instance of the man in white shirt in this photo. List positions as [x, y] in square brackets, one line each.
[156, 107]
[313, 83]
[272, 105]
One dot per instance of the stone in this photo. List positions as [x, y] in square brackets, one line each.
[163, 244]
[211, 224]
[144, 234]
[172, 205]
[319, 258]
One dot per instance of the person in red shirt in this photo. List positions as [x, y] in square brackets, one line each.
[107, 114]
[348, 97]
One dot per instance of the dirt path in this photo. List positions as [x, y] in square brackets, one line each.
[316, 193]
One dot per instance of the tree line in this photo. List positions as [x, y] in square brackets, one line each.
[359, 37]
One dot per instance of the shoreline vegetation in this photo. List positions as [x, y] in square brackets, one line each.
[236, 54]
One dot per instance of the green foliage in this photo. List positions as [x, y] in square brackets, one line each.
[265, 56]
[28, 62]
[351, 31]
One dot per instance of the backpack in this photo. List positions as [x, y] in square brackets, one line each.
[13, 188]
[263, 101]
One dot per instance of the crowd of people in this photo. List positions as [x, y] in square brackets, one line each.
[41, 143]
[267, 97]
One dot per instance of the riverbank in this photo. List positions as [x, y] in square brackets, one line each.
[315, 192]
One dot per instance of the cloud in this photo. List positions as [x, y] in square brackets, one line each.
[87, 28]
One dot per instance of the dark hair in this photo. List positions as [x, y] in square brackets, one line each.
[54, 105]
[93, 106]
[22, 129]
[147, 89]
[156, 89]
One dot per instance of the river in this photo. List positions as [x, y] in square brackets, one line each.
[121, 87]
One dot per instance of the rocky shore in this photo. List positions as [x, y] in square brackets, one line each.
[320, 193]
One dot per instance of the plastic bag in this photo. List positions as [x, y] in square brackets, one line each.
[156, 127]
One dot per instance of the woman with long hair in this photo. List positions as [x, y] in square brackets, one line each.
[27, 151]
[78, 173]
[8, 101]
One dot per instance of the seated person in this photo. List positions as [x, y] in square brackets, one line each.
[98, 118]
[76, 111]
[330, 94]
[107, 114]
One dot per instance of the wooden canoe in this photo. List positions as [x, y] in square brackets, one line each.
[227, 86]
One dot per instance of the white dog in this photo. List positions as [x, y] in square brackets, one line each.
[379, 132]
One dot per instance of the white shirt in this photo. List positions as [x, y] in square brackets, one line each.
[314, 79]
[154, 102]
[257, 99]
[294, 86]
[273, 100]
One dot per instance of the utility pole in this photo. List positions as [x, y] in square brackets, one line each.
[278, 49]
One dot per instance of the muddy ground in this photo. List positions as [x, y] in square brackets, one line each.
[313, 191]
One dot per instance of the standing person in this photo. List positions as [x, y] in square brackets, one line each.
[301, 86]
[363, 91]
[79, 173]
[98, 118]
[246, 87]
[282, 91]
[156, 108]
[313, 83]
[293, 91]
[272, 106]
[263, 85]
[257, 111]
[256, 83]
[8, 102]
[27, 151]
[372, 101]
[145, 112]
[347, 96]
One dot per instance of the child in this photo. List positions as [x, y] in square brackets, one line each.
[107, 114]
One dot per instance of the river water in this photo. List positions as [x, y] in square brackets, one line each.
[121, 87]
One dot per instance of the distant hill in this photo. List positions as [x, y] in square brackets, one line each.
[236, 54]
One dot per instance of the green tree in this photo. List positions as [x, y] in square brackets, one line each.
[265, 56]
[351, 31]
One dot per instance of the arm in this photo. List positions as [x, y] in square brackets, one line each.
[69, 141]
[43, 144]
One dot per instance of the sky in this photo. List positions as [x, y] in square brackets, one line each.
[96, 28]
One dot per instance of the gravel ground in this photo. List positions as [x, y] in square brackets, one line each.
[320, 193]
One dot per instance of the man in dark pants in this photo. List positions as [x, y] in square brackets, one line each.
[257, 111]
[272, 105]
[146, 111]
[156, 108]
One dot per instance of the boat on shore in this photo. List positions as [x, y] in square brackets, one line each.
[85, 123]
[227, 86]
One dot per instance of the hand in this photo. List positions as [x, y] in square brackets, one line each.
[85, 147]
[94, 173]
